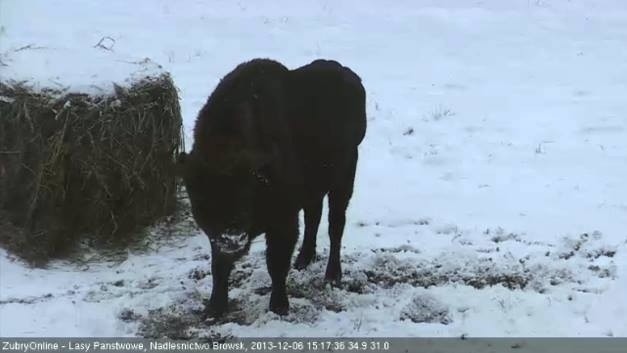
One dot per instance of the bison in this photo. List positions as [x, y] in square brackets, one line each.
[268, 143]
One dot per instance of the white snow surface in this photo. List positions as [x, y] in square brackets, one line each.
[496, 151]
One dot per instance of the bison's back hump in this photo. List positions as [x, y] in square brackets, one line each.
[328, 103]
[258, 80]
[325, 77]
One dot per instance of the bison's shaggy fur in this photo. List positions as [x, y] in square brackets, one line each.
[268, 143]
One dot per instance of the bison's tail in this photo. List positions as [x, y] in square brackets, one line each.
[362, 118]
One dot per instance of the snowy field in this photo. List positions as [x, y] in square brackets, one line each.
[491, 195]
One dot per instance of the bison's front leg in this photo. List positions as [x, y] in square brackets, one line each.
[221, 266]
[280, 247]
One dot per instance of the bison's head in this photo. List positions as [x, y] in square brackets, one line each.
[226, 195]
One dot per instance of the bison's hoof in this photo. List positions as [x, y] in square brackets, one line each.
[279, 305]
[334, 278]
[280, 309]
[216, 308]
[302, 261]
[212, 313]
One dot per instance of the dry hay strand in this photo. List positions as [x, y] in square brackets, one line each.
[75, 166]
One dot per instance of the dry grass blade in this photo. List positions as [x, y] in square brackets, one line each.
[74, 164]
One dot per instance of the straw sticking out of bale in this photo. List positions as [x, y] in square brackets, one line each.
[74, 164]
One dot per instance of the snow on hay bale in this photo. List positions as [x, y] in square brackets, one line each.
[77, 164]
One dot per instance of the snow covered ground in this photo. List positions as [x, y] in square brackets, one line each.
[490, 197]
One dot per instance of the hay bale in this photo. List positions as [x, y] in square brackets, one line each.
[75, 165]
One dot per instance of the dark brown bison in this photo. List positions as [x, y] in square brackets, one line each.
[268, 143]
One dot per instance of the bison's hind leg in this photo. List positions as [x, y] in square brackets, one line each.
[313, 212]
[339, 197]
